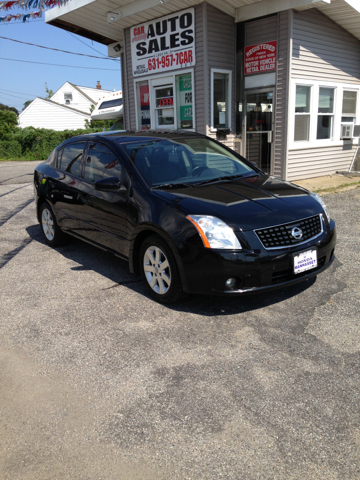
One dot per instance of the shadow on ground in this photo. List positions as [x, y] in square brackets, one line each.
[104, 263]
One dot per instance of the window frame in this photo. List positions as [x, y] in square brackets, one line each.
[315, 85]
[157, 80]
[303, 113]
[213, 71]
[85, 155]
[59, 155]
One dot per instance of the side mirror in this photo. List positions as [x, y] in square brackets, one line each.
[109, 184]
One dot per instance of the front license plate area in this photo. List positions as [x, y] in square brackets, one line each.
[305, 261]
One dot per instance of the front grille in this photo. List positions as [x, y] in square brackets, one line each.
[280, 235]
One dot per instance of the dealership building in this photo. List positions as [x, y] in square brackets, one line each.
[276, 80]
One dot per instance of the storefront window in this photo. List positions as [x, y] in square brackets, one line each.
[165, 102]
[302, 113]
[325, 113]
[164, 106]
[184, 101]
[143, 105]
[220, 105]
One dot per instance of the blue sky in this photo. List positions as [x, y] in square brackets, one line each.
[25, 81]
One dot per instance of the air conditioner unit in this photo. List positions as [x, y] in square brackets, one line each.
[347, 130]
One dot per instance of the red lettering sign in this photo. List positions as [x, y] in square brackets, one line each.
[166, 101]
[260, 58]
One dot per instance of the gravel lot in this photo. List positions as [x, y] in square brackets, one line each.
[99, 382]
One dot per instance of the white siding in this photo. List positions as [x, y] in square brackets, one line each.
[322, 51]
[79, 101]
[94, 93]
[43, 114]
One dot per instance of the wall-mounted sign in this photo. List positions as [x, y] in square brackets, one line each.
[260, 58]
[167, 43]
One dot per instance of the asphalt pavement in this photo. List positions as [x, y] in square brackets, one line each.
[97, 381]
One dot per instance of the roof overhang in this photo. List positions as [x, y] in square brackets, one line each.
[105, 20]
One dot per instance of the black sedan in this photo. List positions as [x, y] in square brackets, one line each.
[189, 214]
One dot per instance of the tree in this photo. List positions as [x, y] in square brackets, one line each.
[104, 124]
[50, 93]
[11, 109]
[8, 121]
[26, 104]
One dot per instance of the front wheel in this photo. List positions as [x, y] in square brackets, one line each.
[53, 236]
[159, 271]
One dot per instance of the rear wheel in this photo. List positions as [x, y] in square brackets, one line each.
[159, 271]
[53, 236]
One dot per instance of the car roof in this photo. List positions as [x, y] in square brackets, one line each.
[123, 136]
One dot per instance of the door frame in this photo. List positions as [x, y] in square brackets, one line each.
[251, 91]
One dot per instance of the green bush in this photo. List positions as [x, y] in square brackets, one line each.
[30, 143]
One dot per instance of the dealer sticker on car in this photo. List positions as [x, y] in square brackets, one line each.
[305, 261]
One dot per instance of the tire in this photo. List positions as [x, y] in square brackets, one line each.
[159, 271]
[52, 234]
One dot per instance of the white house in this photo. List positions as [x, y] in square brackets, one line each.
[68, 108]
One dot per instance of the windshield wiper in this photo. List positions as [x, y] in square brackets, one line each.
[171, 185]
[221, 179]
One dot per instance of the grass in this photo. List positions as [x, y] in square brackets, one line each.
[338, 188]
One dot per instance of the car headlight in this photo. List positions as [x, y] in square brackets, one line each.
[321, 201]
[214, 232]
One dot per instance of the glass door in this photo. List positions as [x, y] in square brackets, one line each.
[164, 107]
[259, 129]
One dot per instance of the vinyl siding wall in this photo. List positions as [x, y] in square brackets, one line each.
[43, 114]
[221, 44]
[96, 94]
[79, 102]
[282, 95]
[322, 51]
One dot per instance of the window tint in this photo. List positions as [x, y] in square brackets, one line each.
[117, 102]
[69, 159]
[101, 162]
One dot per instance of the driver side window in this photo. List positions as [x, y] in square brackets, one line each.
[101, 162]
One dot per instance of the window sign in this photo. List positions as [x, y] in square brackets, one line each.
[143, 102]
[164, 44]
[164, 99]
[260, 58]
[184, 101]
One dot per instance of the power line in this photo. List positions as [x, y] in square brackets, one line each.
[59, 65]
[15, 96]
[56, 49]
[92, 48]
[21, 93]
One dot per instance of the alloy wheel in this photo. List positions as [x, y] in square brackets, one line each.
[157, 270]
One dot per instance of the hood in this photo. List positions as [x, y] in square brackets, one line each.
[245, 204]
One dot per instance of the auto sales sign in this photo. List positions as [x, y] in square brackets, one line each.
[260, 58]
[164, 44]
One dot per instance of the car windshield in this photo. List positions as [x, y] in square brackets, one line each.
[184, 161]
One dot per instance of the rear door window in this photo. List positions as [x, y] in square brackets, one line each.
[69, 158]
[101, 162]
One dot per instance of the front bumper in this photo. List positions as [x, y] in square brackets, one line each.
[207, 270]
